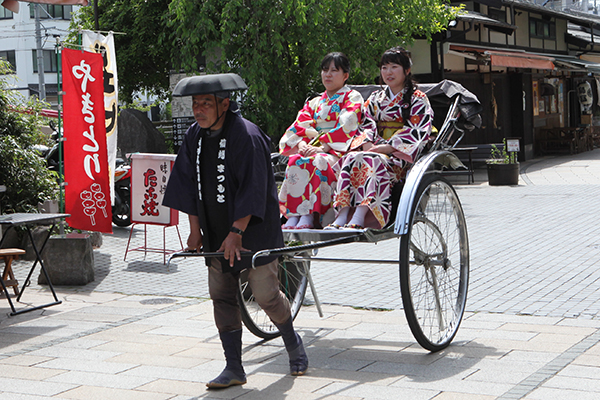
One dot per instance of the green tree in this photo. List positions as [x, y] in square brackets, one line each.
[144, 43]
[275, 45]
[24, 173]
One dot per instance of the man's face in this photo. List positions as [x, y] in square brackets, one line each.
[205, 110]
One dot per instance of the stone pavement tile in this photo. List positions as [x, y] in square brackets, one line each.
[32, 387]
[202, 351]
[267, 386]
[199, 329]
[51, 325]
[18, 396]
[537, 344]
[185, 319]
[161, 348]
[24, 360]
[128, 332]
[504, 374]
[406, 356]
[71, 364]
[580, 371]
[529, 356]
[202, 373]
[594, 350]
[335, 388]
[190, 389]
[74, 353]
[454, 385]
[157, 360]
[462, 396]
[368, 391]
[502, 319]
[471, 350]
[546, 328]
[95, 317]
[376, 317]
[27, 372]
[468, 334]
[574, 383]
[115, 381]
[587, 359]
[355, 377]
[20, 340]
[326, 323]
[544, 393]
[94, 392]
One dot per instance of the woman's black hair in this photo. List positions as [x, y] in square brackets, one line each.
[339, 60]
[399, 55]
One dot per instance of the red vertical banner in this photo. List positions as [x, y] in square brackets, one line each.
[87, 194]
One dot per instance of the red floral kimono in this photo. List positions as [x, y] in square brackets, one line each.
[310, 181]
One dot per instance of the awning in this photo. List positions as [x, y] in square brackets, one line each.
[520, 60]
[504, 58]
[575, 64]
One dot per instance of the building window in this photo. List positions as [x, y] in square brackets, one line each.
[542, 29]
[9, 55]
[51, 11]
[50, 62]
[497, 14]
[5, 13]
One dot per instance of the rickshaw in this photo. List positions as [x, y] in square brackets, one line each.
[427, 218]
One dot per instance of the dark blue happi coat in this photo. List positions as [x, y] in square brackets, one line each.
[250, 187]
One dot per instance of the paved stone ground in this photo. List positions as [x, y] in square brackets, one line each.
[531, 331]
[534, 250]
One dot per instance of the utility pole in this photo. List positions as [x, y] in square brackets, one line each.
[39, 52]
[96, 25]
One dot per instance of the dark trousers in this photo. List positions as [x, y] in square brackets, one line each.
[264, 283]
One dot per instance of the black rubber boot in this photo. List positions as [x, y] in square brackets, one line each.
[233, 374]
[294, 347]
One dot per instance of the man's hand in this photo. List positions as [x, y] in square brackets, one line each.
[194, 242]
[232, 248]
[232, 245]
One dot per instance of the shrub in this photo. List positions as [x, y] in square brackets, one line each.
[27, 179]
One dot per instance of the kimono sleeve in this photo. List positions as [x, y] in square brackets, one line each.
[367, 131]
[182, 189]
[349, 116]
[253, 168]
[303, 128]
[410, 139]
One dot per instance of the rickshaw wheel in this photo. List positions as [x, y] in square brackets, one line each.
[434, 264]
[292, 282]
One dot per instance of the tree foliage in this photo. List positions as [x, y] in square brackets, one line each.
[275, 45]
[143, 42]
[27, 179]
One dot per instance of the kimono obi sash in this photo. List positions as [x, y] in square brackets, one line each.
[386, 129]
[322, 129]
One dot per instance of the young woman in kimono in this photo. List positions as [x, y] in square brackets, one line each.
[397, 127]
[321, 134]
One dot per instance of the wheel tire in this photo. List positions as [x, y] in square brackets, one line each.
[121, 212]
[292, 282]
[434, 264]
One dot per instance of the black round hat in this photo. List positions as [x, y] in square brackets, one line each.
[208, 84]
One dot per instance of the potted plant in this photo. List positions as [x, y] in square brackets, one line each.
[502, 167]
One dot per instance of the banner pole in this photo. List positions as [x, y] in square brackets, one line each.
[61, 171]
